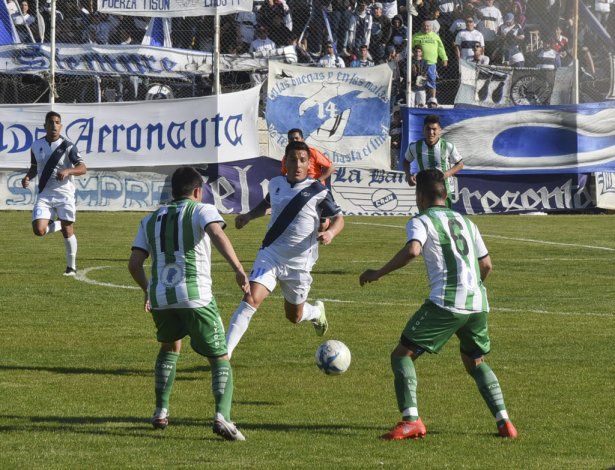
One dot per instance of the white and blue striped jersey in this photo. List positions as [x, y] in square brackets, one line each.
[296, 210]
[41, 152]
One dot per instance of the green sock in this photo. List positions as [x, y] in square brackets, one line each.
[489, 388]
[405, 386]
[164, 373]
[222, 386]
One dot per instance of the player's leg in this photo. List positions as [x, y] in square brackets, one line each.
[42, 218]
[474, 344]
[295, 286]
[428, 330]
[170, 330]
[66, 213]
[262, 282]
[206, 331]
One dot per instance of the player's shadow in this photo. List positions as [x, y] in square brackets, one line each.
[331, 271]
[181, 376]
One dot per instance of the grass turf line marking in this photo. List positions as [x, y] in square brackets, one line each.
[82, 276]
[530, 240]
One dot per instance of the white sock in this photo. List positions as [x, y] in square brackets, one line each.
[53, 227]
[310, 312]
[71, 251]
[238, 325]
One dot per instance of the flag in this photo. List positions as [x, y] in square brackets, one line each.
[158, 33]
[8, 33]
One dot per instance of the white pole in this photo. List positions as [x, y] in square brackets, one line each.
[409, 55]
[216, 64]
[52, 58]
[575, 48]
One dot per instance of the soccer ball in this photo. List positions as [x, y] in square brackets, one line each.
[333, 357]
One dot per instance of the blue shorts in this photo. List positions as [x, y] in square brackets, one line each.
[432, 76]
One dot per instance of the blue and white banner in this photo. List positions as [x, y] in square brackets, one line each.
[131, 60]
[344, 113]
[158, 33]
[233, 187]
[211, 129]
[173, 8]
[532, 139]
[605, 190]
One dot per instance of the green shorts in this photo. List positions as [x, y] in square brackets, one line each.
[431, 327]
[202, 324]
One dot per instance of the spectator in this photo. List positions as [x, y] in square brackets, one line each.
[389, 9]
[393, 60]
[363, 60]
[602, 9]
[102, 28]
[433, 49]
[262, 41]
[432, 102]
[360, 27]
[12, 7]
[330, 58]
[273, 8]
[340, 18]
[491, 21]
[24, 23]
[399, 34]
[512, 38]
[246, 26]
[447, 10]
[467, 39]
[548, 58]
[279, 33]
[418, 96]
[435, 24]
[46, 14]
[380, 35]
[479, 57]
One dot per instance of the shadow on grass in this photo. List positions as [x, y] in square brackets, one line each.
[331, 271]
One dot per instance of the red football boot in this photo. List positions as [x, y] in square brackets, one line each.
[507, 429]
[406, 430]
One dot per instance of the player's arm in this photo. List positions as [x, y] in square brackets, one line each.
[411, 250]
[225, 248]
[410, 178]
[137, 271]
[484, 260]
[335, 227]
[452, 171]
[260, 210]
[31, 173]
[485, 267]
[78, 168]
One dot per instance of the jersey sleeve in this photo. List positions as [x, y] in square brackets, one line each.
[409, 156]
[455, 156]
[74, 156]
[481, 248]
[32, 159]
[208, 214]
[328, 207]
[416, 230]
[140, 241]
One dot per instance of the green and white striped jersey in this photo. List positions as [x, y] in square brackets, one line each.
[443, 156]
[180, 249]
[451, 247]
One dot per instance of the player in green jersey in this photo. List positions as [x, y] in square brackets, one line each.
[457, 264]
[433, 152]
[178, 294]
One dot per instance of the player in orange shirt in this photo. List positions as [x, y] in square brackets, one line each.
[320, 166]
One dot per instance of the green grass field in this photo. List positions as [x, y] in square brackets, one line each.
[77, 358]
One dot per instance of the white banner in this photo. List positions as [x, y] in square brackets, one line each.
[173, 8]
[212, 129]
[344, 113]
[131, 60]
[605, 190]
[373, 192]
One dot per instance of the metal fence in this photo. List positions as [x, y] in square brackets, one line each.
[326, 32]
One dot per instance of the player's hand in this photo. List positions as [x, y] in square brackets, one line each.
[147, 306]
[369, 275]
[63, 174]
[241, 221]
[25, 182]
[243, 281]
[325, 237]
[412, 180]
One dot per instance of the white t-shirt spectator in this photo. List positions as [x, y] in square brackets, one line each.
[466, 40]
[492, 19]
[260, 45]
[331, 61]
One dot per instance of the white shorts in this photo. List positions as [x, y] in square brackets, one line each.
[295, 283]
[418, 98]
[46, 206]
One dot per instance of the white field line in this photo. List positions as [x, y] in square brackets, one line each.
[529, 240]
[82, 276]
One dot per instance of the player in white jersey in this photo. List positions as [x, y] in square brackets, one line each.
[290, 246]
[178, 293]
[433, 152]
[55, 160]
[457, 264]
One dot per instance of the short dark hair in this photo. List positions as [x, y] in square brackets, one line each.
[51, 114]
[185, 180]
[294, 131]
[431, 119]
[296, 145]
[431, 184]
